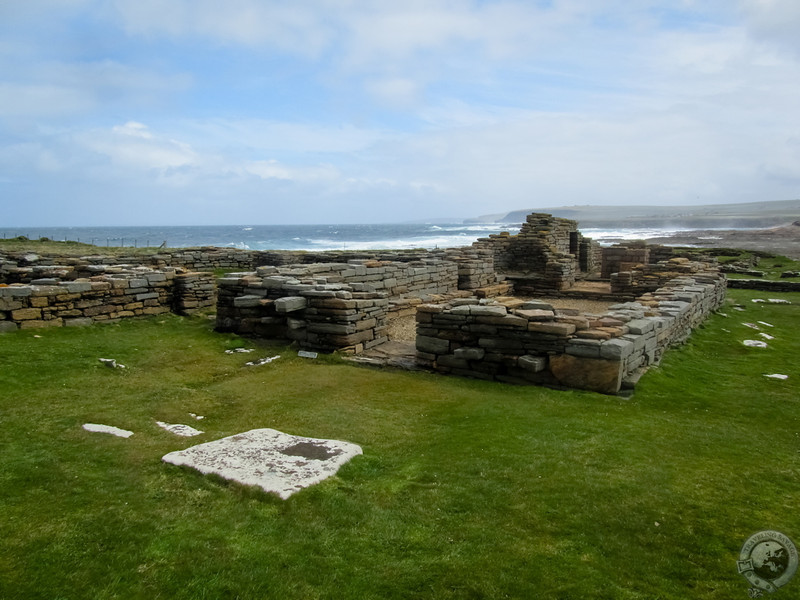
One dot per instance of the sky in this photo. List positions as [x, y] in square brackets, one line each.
[201, 112]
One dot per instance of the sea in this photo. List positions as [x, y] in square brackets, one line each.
[303, 237]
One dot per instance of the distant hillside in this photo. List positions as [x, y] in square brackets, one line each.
[708, 216]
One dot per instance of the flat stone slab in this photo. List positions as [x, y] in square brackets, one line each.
[98, 428]
[274, 461]
[179, 429]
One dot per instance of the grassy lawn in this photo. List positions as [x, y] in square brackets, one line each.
[69, 248]
[772, 265]
[466, 489]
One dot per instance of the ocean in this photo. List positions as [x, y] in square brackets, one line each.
[302, 237]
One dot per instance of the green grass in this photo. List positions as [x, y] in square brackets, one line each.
[69, 247]
[466, 489]
[772, 265]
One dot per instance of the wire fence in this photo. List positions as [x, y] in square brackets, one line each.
[108, 242]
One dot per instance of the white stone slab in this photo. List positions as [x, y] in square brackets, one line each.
[754, 344]
[274, 461]
[262, 361]
[96, 428]
[179, 429]
[111, 363]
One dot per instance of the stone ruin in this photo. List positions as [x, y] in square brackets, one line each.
[481, 311]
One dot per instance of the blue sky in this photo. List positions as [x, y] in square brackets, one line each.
[183, 112]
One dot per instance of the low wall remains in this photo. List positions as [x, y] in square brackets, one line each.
[530, 342]
[26, 267]
[765, 285]
[330, 306]
[106, 297]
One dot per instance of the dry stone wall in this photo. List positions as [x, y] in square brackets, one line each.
[548, 255]
[329, 306]
[649, 277]
[515, 341]
[26, 267]
[107, 297]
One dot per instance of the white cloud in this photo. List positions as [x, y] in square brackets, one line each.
[262, 136]
[58, 89]
[133, 146]
[397, 92]
[774, 21]
[42, 99]
[298, 27]
[272, 169]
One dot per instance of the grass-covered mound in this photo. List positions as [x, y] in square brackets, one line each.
[466, 489]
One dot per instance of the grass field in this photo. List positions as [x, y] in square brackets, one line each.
[466, 489]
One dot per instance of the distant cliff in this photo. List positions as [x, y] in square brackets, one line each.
[708, 216]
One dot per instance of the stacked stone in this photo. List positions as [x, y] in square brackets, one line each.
[48, 303]
[650, 277]
[659, 253]
[328, 306]
[590, 256]
[475, 267]
[489, 341]
[531, 342]
[316, 314]
[619, 258]
[499, 247]
[193, 291]
[763, 284]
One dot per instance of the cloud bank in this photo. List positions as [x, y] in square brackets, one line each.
[178, 112]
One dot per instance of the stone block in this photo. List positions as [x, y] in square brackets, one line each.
[583, 347]
[508, 321]
[290, 304]
[451, 361]
[504, 345]
[38, 324]
[432, 345]
[79, 322]
[15, 291]
[533, 364]
[469, 353]
[640, 326]
[487, 311]
[535, 314]
[26, 314]
[559, 329]
[7, 326]
[76, 287]
[593, 374]
[249, 301]
[616, 349]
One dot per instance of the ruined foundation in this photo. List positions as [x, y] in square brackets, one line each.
[474, 309]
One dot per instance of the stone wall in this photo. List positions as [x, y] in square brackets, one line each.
[650, 277]
[329, 306]
[548, 255]
[107, 297]
[627, 257]
[26, 267]
[532, 343]
[764, 285]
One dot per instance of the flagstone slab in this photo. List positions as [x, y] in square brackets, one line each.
[270, 459]
[99, 428]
